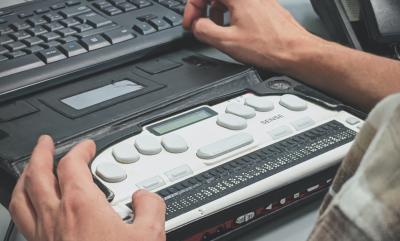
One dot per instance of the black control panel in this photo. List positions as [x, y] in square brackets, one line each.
[41, 41]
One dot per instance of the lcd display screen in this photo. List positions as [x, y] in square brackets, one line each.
[8, 3]
[102, 94]
[181, 121]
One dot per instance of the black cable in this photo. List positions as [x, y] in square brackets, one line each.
[10, 231]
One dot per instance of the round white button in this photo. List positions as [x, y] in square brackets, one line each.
[174, 143]
[125, 153]
[261, 104]
[240, 110]
[110, 172]
[148, 145]
[293, 103]
[232, 122]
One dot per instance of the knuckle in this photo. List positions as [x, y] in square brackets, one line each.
[13, 207]
[156, 230]
[73, 199]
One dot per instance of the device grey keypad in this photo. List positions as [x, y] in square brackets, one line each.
[232, 122]
[225, 145]
[125, 153]
[261, 104]
[148, 145]
[280, 132]
[179, 172]
[110, 172]
[152, 183]
[352, 121]
[174, 143]
[293, 103]
[241, 110]
[303, 123]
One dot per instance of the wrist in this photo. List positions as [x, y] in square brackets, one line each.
[301, 52]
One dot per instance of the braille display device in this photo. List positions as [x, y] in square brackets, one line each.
[215, 156]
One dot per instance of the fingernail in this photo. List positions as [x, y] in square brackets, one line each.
[44, 138]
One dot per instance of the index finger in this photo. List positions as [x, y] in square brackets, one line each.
[194, 9]
[73, 169]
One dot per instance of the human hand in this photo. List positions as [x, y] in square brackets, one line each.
[70, 207]
[261, 32]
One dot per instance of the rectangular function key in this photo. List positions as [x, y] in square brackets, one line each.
[224, 146]
[144, 28]
[141, 3]
[152, 183]
[51, 55]
[94, 20]
[159, 24]
[15, 54]
[72, 49]
[74, 11]
[94, 42]
[118, 35]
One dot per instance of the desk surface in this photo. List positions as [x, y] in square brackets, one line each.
[294, 226]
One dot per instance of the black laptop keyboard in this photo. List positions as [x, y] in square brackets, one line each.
[55, 31]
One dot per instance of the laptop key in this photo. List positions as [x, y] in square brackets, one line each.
[32, 41]
[141, 3]
[144, 28]
[3, 50]
[51, 44]
[51, 55]
[159, 24]
[3, 58]
[6, 30]
[20, 26]
[15, 54]
[94, 20]
[51, 17]
[74, 11]
[37, 30]
[118, 35]
[33, 49]
[5, 40]
[68, 39]
[173, 20]
[72, 49]
[20, 35]
[82, 27]
[111, 11]
[34, 21]
[94, 42]
[20, 64]
[53, 26]
[66, 32]
[15, 46]
[49, 36]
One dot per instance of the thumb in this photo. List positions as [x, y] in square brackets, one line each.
[207, 31]
[149, 211]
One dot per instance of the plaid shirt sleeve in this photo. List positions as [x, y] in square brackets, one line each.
[364, 200]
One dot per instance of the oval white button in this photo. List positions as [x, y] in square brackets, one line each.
[125, 153]
[110, 172]
[293, 103]
[224, 146]
[240, 110]
[148, 145]
[261, 104]
[232, 122]
[174, 143]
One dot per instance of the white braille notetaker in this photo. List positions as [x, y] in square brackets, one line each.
[198, 160]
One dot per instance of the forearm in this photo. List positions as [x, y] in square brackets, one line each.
[352, 76]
